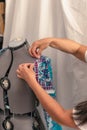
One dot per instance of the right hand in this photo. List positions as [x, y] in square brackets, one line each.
[25, 71]
[38, 46]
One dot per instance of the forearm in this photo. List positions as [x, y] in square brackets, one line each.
[56, 111]
[69, 46]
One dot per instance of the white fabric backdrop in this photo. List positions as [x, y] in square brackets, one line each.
[35, 19]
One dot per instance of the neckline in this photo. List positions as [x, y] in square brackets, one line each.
[17, 43]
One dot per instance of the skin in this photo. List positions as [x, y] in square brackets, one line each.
[56, 111]
[25, 71]
[64, 45]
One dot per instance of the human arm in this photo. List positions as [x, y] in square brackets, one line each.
[65, 45]
[56, 111]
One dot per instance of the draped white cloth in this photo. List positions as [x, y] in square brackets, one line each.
[35, 19]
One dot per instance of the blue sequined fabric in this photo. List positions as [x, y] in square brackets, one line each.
[44, 76]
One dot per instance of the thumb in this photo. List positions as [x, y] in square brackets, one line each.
[39, 51]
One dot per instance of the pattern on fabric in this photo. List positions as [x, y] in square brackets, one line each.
[44, 76]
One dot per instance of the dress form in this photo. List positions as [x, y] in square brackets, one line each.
[21, 98]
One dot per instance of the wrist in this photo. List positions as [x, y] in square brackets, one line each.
[53, 43]
[33, 83]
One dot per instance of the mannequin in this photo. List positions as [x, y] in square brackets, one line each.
[21, 99]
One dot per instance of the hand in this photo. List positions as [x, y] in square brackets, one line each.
[25, 71]
[38, 46]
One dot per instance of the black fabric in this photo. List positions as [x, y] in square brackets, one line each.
[2, 0]
[1, 42]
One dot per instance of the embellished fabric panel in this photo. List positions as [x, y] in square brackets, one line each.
[44, 76]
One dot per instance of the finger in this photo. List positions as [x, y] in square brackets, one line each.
[32, 66]
[39, 52]
[18, 71]
[34, 51]
[19, 76]
[24, 64]
[30, 52]
[27, 65]
[20, 66]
